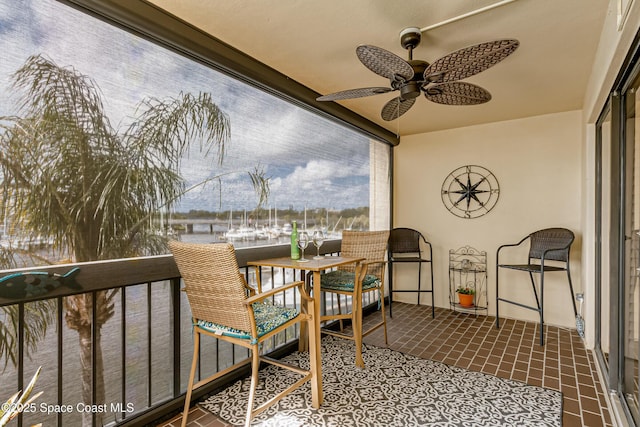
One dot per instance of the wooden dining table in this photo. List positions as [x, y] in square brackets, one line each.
[316, 267]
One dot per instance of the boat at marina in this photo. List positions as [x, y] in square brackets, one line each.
[243, 232]
[287, 229]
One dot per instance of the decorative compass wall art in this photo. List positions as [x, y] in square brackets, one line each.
[470, 191]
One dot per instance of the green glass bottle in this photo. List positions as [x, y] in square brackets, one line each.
[295, 250]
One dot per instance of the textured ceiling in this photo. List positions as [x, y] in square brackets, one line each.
[314, 42]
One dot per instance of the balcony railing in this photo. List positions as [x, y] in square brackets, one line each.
[145, 345]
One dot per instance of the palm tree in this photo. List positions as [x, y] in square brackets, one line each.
[71, 177]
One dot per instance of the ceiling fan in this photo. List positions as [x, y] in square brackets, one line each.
[438, 80]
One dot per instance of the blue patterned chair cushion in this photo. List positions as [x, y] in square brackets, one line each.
[343, 281]
[268, 317]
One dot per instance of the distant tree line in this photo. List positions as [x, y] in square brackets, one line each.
[354, 218]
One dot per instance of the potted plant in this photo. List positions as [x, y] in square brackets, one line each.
[465, 296]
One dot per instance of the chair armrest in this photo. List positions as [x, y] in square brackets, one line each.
[509, 245]
[364, 267]
[249, 289]
[368, 263]
[261, 296]
[306, 308]
[430, 248]
[424, 239]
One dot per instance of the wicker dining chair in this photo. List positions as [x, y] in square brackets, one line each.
[223, 306]
[548, 252]
[353, 281]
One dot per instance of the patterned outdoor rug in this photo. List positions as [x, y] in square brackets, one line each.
[394, 390]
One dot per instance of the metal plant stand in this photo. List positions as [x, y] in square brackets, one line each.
[468, 269]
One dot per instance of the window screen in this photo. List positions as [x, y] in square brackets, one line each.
[320, 173]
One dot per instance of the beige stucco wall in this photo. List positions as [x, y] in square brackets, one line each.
[422, 162]
[537, 162]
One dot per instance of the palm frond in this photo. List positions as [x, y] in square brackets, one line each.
[19, 401]
[38, 316]
[167, 128]
[260, 183]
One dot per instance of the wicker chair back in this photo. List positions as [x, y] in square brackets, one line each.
[542, 240]
[367, 244]
[404, 240]
[213, 283]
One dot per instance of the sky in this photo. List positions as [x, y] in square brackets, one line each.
[311, 161]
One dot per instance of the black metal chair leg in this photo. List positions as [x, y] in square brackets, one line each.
[573, 296]
[419, 280]
[433, 293]
[497, 298]
[541, 308]
[535, 292]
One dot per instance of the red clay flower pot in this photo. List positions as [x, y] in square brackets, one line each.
[466, 300]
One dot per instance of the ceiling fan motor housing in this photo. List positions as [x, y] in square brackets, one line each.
[411, 89]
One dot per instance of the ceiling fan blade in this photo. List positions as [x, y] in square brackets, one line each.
[457, 93]
[354, 93]
[471, 60]
[384, 63]
[396, 107]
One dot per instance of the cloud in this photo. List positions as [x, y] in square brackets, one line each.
[311, 160]
[321, 170]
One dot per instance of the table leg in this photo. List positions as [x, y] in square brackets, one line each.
[316, 369]
[357, 328]
[304, 334]
[314, 341]
[357, 314]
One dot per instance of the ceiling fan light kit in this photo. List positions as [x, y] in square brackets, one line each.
[438, 81]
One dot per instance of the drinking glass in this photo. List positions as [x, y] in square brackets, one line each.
[318, 240]
[303, 242]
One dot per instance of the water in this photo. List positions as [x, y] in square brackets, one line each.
[202, 235]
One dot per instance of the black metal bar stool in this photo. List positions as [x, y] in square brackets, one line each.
[548, 252]
[404, 247]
